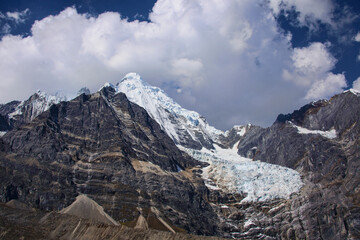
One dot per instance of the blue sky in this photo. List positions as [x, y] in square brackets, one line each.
[235, 61]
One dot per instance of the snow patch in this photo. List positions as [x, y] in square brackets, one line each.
[331, 134]
[178, 168]
[239, 129]
[353, 91]
[2, 133]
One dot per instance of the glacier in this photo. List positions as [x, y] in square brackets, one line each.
[227, 170]
[259, 181]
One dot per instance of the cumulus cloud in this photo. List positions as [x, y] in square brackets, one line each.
[356, 84]
[311, 68]
[309, 11]
[224, 59]
[331, 84]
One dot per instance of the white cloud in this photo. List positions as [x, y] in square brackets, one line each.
[17, 17]
[356, 84]
[311, 68]
[188, 70]
[357, 37]
[309, 10]
[333, 83]
[227, 57]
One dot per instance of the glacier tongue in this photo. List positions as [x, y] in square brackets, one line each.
[235, 174]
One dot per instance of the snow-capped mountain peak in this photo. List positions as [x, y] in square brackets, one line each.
[39, 102]
[182, 125]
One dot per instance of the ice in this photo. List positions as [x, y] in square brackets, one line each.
[235, 174]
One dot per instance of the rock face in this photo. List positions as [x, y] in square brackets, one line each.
[106, 147]
[6, 123]
[328, 205]
[18, 113]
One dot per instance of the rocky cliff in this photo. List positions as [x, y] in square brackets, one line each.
[106, 147]
[321, 141]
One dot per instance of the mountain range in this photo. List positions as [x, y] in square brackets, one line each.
[130, 156]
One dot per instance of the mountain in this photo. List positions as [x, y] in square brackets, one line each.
[192, 134]
[321, 142]
[186, 128]
[110, 149]
[17, 113]
[150, 164]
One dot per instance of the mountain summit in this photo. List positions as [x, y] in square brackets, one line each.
[185, 127]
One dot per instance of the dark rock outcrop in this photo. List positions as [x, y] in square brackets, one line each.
[7, 123]
[106, 147]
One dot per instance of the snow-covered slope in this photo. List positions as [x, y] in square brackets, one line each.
[187, 128]
[39, 102]
[331, 134]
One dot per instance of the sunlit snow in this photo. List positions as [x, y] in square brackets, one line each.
[260, 181]
[353, 91]
[163, 109]
[40, 104]
[331, 134]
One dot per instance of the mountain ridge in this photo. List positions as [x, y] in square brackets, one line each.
[103, 139]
